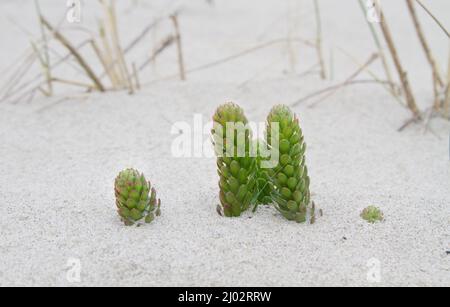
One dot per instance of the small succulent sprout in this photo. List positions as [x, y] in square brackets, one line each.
[135, 198]
[290, 178]
[372, 214]
[236, 168]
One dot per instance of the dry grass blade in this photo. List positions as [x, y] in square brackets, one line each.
[248, 51]
[411, 101]
[137, 81]
[112, 63]
[436, 75]
[111, 13]
[323, 73]
[45, 62]
[130, 83]
[434, 18]
[99, 86]
[103, 60]
[437, 97]
[447, 92]
[335, 88]
[236, 56]
[60, 101]
[141, 36]
[34, 83]
[44, 68]
[380, 50]
[176, 26]
[259, 73]
[108, 56]
[424, 43]
[410, 121]
[390, 86]
[164, 44]
[16, 77]
[74, 83]
[16, 62]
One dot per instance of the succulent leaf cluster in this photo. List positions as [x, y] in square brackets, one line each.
[235, 166]
[263, 181]
[290, 177]
[135, 198]
[243, 179]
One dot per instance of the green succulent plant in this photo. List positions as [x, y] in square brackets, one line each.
[290, 177]
[135, 198]
[372, 214]
[263, 183]
[236, 168]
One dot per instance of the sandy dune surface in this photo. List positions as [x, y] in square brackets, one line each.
[59, 157]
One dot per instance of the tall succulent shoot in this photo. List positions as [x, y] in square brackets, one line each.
[236, 168]
[135, 198]
[290, 177]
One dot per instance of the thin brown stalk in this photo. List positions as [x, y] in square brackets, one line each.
[131, 88]
[436, 76]
[104, 62]
[155, 46]
[428, 114]
[411, 101]
[390, 87]
[176, 26]
[15, 78]
[437, 99]
[141, 36]
[434, 67]
[331, 64]
[130, 46]
[258, 73]
[45, 62]
[111, 12]
[31, 97]
[60, 101]
[74, 83]
[248, 51]
[44, 69]
[447, 92]
[319, 47]
[107, 31]
[28, 86]
[137, 81]
[434, 18]
[289, 45]
[381, 52]
[164, 44]
[335, 87]
[345, 83]
[111, 62]
[236, 56]
[410, 121]
[99, 86]
[27, 94]
[17, 62]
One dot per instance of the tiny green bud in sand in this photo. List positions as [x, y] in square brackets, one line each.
[372, 214]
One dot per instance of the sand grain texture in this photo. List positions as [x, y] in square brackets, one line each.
[59, 161]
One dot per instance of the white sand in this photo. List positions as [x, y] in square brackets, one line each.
[58, 163]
